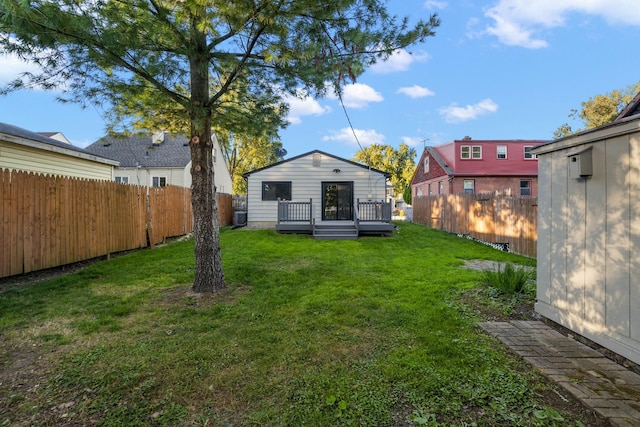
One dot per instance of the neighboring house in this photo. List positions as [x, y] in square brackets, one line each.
[58, 136]
[24, 150]
[158, 159]
[477, 167]
[332, 184]
[588, 269]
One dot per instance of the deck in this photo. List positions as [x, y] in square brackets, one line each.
[371, 219]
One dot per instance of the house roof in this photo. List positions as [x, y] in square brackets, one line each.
[139, 150]
[245, 175]
[25, 137]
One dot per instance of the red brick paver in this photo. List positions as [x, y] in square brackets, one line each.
[600, 383]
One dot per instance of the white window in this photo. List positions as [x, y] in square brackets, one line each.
[419, 191]
[122, 179]
[430, 190]
[441, 189]
[159, 181]
[528, 154]
[426, 164]
[470, 152]
[469, 186]
[502, 151]
[525, 187]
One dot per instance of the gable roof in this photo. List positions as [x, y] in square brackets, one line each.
[139, 150]
[630, 110]
[246, 175]
[20, 136]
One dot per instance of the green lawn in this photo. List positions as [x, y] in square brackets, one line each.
[307, 333]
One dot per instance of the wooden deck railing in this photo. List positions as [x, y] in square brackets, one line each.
[366, 211]
[289, 211]
[374, 211]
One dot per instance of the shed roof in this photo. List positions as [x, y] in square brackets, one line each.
[139, 150]
[386, 174]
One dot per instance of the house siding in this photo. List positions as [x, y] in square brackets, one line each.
[306, 182]
[589, 236]
[26, 158]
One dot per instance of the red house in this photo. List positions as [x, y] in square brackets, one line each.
[477, 167]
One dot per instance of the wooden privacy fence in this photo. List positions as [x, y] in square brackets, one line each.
[47, 221]
[496, 219]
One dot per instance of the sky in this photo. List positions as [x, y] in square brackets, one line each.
[500, 69]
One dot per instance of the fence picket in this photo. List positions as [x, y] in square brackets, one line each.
[46, 221]
[493, 218]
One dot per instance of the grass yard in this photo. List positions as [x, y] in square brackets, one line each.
[372, 332]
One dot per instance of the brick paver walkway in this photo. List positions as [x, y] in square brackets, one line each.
[610, 389]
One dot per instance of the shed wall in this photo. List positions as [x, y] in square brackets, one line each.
[588, 242]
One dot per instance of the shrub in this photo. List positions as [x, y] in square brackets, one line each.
[508, 280]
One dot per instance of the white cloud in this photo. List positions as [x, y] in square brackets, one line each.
[455, 114]
[365, 136]
[359, 95]
[435, 4]
[11, 67]
[400, 60]
[307, 106]
[412, 141]
[416, 91]
[519, 22]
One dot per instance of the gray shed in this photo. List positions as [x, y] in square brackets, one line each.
[589, 233]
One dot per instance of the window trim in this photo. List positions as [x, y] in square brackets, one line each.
[275, 196]
[426, 164]
[160, 180]
[468, 152]
[498, 153]
[121, 179]
[473, 186]
[531, 155]
[528, 187]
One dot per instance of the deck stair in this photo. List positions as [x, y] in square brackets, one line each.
[338, 230]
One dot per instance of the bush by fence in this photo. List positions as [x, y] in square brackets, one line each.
[47, 221]
[492, 218]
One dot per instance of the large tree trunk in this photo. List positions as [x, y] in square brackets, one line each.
[209, 275]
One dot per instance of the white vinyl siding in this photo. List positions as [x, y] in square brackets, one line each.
[19, 157]
[306, 182]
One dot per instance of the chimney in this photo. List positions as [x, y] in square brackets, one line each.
[157, 138]
[466, 138]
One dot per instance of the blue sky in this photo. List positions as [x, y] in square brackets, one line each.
[501, 69]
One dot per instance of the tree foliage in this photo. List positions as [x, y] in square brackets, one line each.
[399, 163]
[181, 59]
[599, 110]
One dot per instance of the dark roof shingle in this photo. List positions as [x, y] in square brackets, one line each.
[139, 150]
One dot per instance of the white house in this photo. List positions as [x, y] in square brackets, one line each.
[332, 185]
[159, 159]
[24, 150]
[589, 233]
